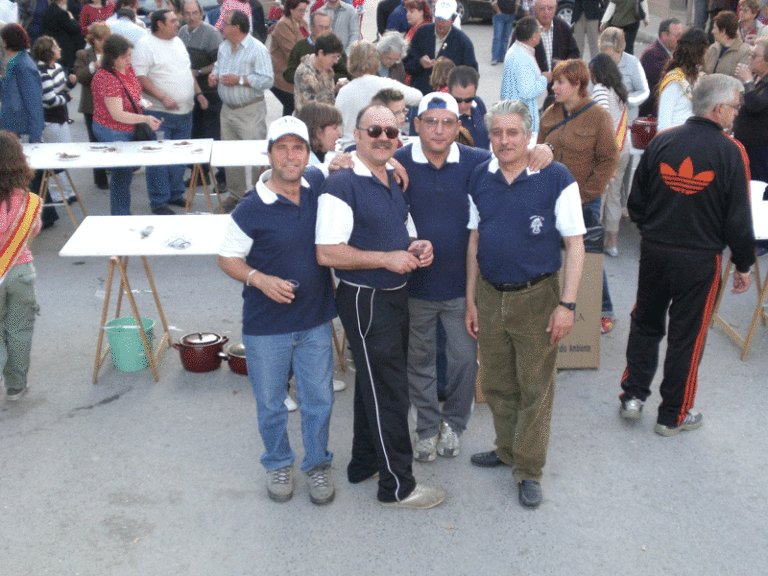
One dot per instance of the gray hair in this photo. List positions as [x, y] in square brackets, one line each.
[712, 90]
[392, 41]
[507, 107]
[764, 43]
[612, 38]
[315, 14]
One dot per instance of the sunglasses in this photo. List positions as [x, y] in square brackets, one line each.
[465, 100]
[375, 131]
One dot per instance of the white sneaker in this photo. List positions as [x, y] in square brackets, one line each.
[339, 385]
[424, 451]
[290, 403]
[448, 445]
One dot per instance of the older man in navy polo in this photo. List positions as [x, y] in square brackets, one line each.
[515, 307]
[365, 232]
[288, 304]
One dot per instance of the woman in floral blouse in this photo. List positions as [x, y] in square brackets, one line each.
[314, 76]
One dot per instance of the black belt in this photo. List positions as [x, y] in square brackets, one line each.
[521, 285]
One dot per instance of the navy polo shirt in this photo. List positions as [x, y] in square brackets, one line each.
[520, 224]
[475, 123]
[284, 246]
[439, 207]
[357, 209]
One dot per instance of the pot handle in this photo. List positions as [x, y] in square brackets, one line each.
[224, 339]
[178, 345]
[224, 355]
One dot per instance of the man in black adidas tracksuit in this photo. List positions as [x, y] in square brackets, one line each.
[690, 198]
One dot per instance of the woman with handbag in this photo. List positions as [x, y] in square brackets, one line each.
[19, 223]
[582, 138]
[116, 114]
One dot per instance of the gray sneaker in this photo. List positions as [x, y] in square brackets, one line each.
[14, 394]
[426, 449]
[692, 421]
[321, 490]
[448, 445]
[631, 408]
[422, 498]
[280, 483]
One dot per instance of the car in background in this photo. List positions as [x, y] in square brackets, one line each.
[147, 6]
[565, 10]
[474, 10]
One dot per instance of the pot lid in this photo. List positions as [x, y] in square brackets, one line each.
[200, 339]
[237, 350]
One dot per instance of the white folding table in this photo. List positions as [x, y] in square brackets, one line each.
[68, 155]
[760, 227]
[179, 235]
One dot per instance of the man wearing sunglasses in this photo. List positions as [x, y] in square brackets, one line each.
[462, 85]
[365, 232]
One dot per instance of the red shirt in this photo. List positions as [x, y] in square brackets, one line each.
[106, 85]
[90, 14]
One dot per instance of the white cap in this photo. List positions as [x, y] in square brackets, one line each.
[441, 100]
[445, 9]
[285, 126]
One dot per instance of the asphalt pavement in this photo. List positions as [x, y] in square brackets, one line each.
[133, 477]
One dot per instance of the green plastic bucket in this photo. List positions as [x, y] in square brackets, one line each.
[125, 343]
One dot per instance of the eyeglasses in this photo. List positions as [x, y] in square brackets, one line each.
[736, 107]
[432, 123]
[464, 100]
[375, 131]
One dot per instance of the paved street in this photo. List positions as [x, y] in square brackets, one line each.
[132, 477]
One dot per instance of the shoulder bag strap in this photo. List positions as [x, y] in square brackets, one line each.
[135, 108]
[571, 117]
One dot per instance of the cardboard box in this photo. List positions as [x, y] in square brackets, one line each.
[581, 348]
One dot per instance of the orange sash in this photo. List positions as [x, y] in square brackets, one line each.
[18, 234]
[621, 130]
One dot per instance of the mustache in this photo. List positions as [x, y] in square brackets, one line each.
[386, 145]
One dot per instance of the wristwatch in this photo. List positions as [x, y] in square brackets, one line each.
[242, 81]
[570, 305]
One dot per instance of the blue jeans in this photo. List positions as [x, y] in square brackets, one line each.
[591, 211]
[166, 183]
[270, 359]
[502, 30]
[120, 180]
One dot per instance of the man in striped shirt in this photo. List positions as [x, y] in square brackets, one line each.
[243, 72]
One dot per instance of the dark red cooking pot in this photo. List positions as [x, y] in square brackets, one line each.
[642, 131]
[200, 351]
[235, 357]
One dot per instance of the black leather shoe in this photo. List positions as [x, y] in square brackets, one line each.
[178, 202]
[529, 492]
[486, 459]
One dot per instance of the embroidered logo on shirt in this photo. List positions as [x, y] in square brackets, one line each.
[684, 180]
[536, 223]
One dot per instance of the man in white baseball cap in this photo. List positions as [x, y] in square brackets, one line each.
[269, 246]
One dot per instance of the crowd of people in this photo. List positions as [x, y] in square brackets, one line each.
[445, 247]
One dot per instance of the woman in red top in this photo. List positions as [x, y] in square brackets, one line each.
[18, 305]
[114, 118]
[95, 11]
[417, 12]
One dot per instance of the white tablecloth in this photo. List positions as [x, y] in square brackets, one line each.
[180, 235]
[118, 154]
